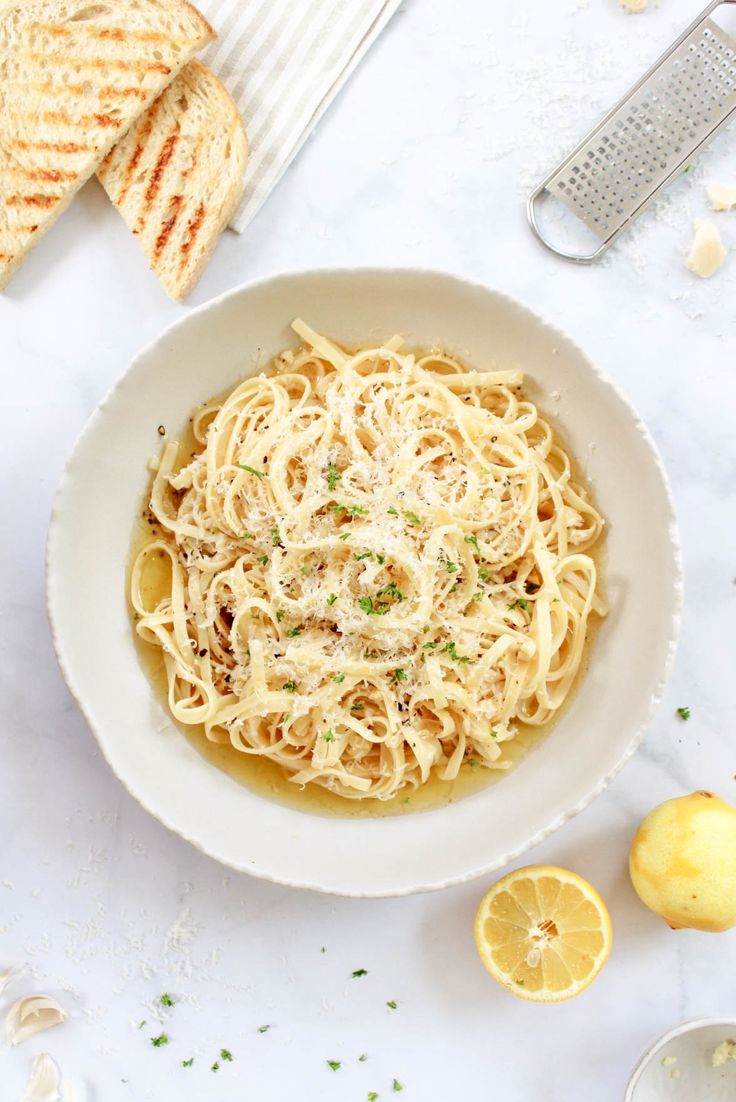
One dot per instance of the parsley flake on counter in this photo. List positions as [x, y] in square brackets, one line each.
[328, 735]
[335, 1065]
[263, 1028]
[683, 713]
[372, 1096]
[251, 470]
[392, 1004]
[166, 1000]
[519, 603]
[333, 476]
[162, 1039]
[141, 1024]
[363, 1057]
[396, 1086]
[293, 632]
[359, 972]
[215, 1066]
[332, 598]
[339, 678]
[289, 686]
[187, 1063]
[225, 1054]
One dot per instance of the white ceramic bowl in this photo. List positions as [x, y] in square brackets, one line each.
[679, 1066]
[90, 534]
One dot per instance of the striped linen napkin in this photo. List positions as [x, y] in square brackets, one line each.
[283, 62]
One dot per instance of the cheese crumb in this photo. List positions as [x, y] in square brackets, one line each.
[667, 1060]
[707, 252]
[721, 196]
[634, 6]
[723, 1052]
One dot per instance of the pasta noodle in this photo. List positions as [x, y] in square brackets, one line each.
[376, 566]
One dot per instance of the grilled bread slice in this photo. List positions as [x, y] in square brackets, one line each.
[74, 74]
[177, 175]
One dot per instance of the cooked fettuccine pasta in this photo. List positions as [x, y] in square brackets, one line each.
[377, 566]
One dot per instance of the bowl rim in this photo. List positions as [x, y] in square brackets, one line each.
[659, 1043]
[54, 528]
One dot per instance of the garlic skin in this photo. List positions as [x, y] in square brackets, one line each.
[31, 1015]
[44, 1081]
[8, 977]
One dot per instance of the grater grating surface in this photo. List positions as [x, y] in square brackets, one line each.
[649, 137]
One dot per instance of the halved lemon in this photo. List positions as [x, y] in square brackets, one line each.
[542, 932]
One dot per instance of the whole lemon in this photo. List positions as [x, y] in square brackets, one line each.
[683, 862]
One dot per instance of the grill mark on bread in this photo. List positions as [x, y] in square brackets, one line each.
[32, 200]
[48, 175]
[128, 65]
[193, 228]
[154, 183]
[118, 34]
[48, 88]
[56, 147]
[175, 204]
[137, 153]
[97, 119]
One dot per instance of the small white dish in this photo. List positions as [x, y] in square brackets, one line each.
[679, 1066]
[89, 541]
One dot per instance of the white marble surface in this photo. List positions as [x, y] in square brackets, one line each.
[424, 160]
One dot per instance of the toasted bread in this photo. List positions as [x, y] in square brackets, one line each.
[177, 175]
[74, 75]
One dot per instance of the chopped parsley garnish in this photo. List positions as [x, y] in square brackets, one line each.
[289, 686]
[345, 536]
[166, 1000]
[359, 972]
[339, 678]
[519, 603]
[483, 574]
[392, 512]
[391, 591]
[293, 632]
[683, 713]
[494, 734]
[399, 675]
[162, 1039]
[451, 649]
[187, 1063]
[334, 1065]
[263, 1028]
[413, 519]
[366, 603]
[357, 707]
[275, 537]
[365, 555]
[473, 763]
[332, 598]
[280, 615]
[247, 536]
[474, 541]
[381, 558]
[251, 470]
[354, 511]
[333, 476]
[328, 735]
[478, 595]
[429, 646]
[396, 1086]
[451, 567]
[225, 1054]
[392, 1004]
[305, 569]
[262, 559]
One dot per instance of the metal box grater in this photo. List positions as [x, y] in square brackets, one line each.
[648, 138]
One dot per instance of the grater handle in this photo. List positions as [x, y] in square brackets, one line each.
[577, 258]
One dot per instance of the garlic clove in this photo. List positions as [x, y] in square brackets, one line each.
[30, 1015]
[43, 1085]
